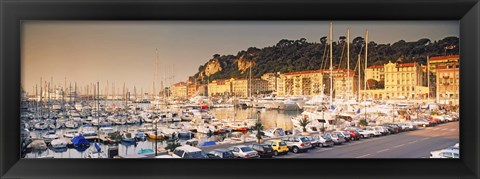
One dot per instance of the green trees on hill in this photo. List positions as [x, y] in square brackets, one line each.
[299, 55]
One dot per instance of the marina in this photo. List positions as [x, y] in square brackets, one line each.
[289, 97]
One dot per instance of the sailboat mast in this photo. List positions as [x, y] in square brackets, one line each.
[331, 63]
[366, 62]
[428, 77]
[348, 61]
[359, 64]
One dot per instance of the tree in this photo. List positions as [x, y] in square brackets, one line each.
[172, 143]
[304, 122]
[323, 40]
[258, 127]
[363, 123]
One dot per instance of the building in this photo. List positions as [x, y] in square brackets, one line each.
[447, 83]
[376, 72]
[179, 90]
[401, 81]
[305, 83]
[191, 90]
[345, 84]
[220, 87]
[433, 64]
[272, 79]
[242, 87]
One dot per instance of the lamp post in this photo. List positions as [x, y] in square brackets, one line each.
[445, 84]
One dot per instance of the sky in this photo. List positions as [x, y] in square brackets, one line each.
[124, 51]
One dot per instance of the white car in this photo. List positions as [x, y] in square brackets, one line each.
[374, 131]
[243, 151]
[446, 153]
[187, 151]
[407, 126]
[366, 134]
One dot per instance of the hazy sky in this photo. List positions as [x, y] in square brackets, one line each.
[123, 51]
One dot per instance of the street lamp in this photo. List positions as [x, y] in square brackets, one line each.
[445, 83]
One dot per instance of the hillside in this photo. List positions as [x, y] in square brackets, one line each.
[299, 55]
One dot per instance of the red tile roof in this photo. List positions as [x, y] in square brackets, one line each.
[376, 66]
[406, 64]
[452, 57]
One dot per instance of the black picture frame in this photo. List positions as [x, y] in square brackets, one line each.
[13, 12]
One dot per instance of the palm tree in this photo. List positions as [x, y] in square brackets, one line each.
[304, 122]
[258, 127]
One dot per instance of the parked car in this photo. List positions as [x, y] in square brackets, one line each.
[384, 130]
[220, 153]
[407, 126]
[264, 150]
[243, 151]
[297, 143]
[313, 142]
[373, 131]
[434, 120]
[335, 138]
[446, 153]
[393, 128]
[421, 122]
[187, 151]
[354, 135]
[365, 134]
[278, 146]
[340, 134]
[324, 142]
[448, 118]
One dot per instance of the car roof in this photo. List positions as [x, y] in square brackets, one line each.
[220, 150]
[188, 148]
[240, 146]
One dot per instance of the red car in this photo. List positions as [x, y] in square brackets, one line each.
[354, 135]
[434, 121]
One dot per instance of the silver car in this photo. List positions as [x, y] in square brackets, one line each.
[297, 143]
[336, 138]
[243, 151]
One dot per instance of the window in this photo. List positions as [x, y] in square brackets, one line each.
[446, 154]
[178, 153]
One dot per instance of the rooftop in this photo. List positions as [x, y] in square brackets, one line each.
[448, 57]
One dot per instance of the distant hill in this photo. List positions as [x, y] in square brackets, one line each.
[299, 55]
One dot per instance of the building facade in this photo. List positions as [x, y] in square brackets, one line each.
[220, 88]
[448, 84]
[179, 90]
[272, 80]
[306, 83]
[241, 87]
[433, 64]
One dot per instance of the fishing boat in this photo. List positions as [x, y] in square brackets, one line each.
[71, 124]
[37, 145]
[128, 137]
[80, 142]
[96, 153]
[41, 126]
[152, 135]
[186, 116]
[59, 143]
[89, 132]
[70, 133]
[50, 135]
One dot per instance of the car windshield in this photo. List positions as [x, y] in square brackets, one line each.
[246, 149]
[326, 136]
[283, 144]
[198, 154]
[266, 147]
[304, 139]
